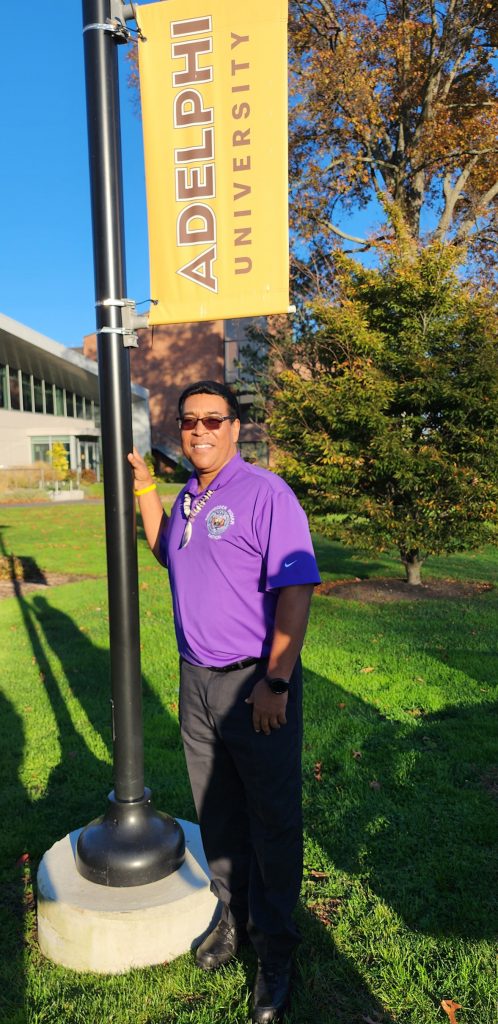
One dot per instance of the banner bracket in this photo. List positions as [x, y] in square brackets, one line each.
[115, 28]
[116, 24]
[122, 11]
[131, 320]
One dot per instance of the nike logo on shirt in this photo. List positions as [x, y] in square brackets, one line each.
[287, 565]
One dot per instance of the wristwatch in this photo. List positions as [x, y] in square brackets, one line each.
[276, 685]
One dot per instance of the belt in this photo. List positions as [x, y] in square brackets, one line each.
[234, 665]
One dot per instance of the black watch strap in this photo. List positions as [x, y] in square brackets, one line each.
[277, 686]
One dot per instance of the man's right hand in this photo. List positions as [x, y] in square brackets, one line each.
[141, 474]
[153, 516]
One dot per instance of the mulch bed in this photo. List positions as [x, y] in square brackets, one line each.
[381, 591]
[12, 588]
[373, 591]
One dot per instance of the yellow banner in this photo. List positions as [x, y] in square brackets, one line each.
[213, 84]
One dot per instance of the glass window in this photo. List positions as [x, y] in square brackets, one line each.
[231, 361]
[59, 401]
[79, 406]
[15, 395]
[38, 390]
[241, 329]
[4, 388]
[27, 399]
[49, 399]
[40, 451]
[69, 403]
[88, 409]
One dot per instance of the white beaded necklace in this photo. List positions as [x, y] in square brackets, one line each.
[190, 513]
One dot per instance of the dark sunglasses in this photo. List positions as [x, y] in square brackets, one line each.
[209, 422]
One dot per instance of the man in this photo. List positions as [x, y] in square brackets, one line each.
[242, 571]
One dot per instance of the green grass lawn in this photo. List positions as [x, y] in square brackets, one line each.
[400, 784]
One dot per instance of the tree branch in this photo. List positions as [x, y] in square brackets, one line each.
[451, 195]
[349, 238]
[467, 225]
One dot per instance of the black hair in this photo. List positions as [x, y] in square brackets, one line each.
[211, 387]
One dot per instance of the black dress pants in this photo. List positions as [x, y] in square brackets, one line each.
[247, 793]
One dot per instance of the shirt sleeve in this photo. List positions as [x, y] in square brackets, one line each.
[285, 540]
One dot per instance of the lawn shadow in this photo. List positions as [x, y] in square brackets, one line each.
[401, 805]
[328, 989]
[16, 900]
[87, 671]
[334, 557]
[77, 787]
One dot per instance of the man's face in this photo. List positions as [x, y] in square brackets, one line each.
[209, 450]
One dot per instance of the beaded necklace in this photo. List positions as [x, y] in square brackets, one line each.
[190, 513]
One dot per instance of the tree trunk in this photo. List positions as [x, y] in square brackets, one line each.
[413, 565]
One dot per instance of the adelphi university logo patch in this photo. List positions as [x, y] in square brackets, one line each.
[218, 520]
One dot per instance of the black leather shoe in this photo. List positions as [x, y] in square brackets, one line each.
[218, 947]
[271, 991]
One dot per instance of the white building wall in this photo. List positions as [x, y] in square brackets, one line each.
[18, 428]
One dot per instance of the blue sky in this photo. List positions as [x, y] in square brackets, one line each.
[46, 262]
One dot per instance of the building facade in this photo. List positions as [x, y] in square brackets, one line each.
[50, 393]
[169, 357]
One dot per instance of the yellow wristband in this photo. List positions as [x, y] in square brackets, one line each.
[145, 490]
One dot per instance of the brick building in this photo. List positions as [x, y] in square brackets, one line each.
[170, 357]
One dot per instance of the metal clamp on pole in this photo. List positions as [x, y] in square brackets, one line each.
[131, 321]
[116, 24]
[116, 28]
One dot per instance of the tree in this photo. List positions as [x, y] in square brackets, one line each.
[59, 460]
[393, 101]
[385, 416]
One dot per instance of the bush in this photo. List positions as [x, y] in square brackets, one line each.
[36, 475]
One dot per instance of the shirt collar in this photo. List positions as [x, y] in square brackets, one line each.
[225, 474]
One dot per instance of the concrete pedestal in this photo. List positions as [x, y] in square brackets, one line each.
[75, 495]
[92, 927]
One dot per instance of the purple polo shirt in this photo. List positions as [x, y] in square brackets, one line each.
[250, 539]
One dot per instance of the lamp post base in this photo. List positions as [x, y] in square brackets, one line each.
[131, 844]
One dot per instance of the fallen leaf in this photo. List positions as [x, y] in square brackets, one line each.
[341, 705]
[324, 909]
[318, 771]
[357, 754]
[318, 875]
[369, 668]
[450, 1007]
[374, 784]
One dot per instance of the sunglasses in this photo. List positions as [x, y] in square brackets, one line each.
[209, 422]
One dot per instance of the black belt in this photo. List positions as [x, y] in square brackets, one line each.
[234, 665]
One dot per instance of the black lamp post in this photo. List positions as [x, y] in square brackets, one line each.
[131, 843]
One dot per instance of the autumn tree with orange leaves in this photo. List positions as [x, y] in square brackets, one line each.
[385, 402]
[393, 101]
